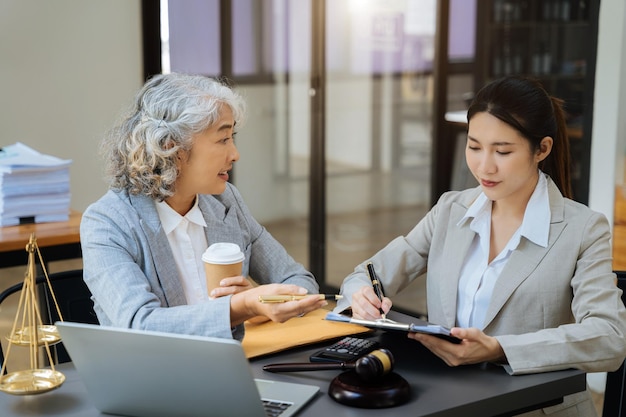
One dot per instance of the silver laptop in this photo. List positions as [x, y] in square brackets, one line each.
[151, 374]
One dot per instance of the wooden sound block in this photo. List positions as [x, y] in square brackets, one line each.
[349, 389]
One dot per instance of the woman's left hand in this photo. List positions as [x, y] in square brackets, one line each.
[231, 285]
[475, 347]
[246, 305]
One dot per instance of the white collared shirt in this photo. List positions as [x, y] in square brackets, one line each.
[188, 242]
[478, 277]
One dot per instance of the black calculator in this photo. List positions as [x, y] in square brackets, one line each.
[348, 349]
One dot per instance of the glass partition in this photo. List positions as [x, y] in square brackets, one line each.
[375, 168]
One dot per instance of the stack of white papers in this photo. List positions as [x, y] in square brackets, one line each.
[34, 187]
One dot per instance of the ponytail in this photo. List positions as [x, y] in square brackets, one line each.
[557, 164]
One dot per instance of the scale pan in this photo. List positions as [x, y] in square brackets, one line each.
[31, 381]
[46, 332]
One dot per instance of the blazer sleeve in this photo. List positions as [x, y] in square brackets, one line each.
[119, 269]
[594, 340]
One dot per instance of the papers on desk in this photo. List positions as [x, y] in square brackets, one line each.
[34, 187]
[271, 337]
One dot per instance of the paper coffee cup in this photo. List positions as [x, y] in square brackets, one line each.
[221, 260]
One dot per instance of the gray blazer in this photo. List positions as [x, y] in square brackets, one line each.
[552, 308]
[130, 269]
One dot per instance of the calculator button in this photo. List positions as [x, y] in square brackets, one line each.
[346, 349]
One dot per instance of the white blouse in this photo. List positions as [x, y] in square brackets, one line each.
[188, 242]
[478, 277]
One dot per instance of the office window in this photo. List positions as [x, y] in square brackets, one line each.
[193, 44]
[369, 36]
[193, 41]
[379, 58]
[462, 33]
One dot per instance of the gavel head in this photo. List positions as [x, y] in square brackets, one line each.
[374, 365]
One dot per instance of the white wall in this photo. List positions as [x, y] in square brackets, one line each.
[609, 121]
[609, 125]
[67, 69]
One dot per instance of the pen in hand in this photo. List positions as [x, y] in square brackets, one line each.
[378, 287]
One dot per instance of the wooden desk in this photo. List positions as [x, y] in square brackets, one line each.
[437, 390]
[56, 240]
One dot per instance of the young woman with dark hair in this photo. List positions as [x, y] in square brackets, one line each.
[521, 273]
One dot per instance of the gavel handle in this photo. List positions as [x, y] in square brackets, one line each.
[306, 366]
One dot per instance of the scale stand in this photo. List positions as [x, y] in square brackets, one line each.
[34, 334]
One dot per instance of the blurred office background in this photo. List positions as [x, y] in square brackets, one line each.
[345, 146]
[338, 169]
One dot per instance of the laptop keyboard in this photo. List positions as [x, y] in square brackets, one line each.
[275, 408]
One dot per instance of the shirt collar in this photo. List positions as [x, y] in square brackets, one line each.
[170, 218]
[536, 223]
[480, 206]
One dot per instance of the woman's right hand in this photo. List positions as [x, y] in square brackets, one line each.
[246, 304]
[366, 305]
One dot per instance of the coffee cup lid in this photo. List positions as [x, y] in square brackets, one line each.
[223, 253]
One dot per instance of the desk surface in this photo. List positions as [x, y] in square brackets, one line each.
[47, 234]
[56, 241]
[437, 390]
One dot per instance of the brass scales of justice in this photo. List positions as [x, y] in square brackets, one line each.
[32, 333]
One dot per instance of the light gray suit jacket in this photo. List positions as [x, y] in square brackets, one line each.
[552, 308]
[130, 269]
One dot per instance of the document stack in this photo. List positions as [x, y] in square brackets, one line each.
[34, 187]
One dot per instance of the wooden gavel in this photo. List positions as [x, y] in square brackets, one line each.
[370, 367]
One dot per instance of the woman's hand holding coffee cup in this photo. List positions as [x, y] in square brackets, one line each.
[231, 285]
[222, 268]
[222, 265]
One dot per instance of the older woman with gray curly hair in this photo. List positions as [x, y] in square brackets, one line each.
[168, 162]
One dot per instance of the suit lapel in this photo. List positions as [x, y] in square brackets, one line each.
[162, 256]
[526, 257]
[222, 224]
[458, 245]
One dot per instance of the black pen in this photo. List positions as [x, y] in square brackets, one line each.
[378, 287]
